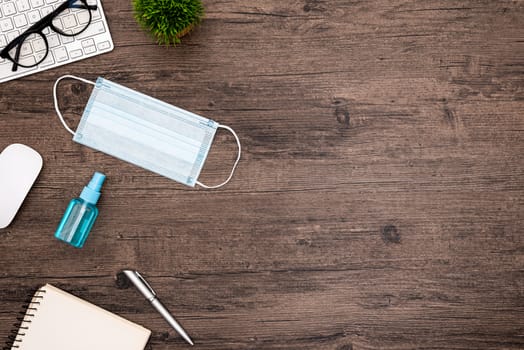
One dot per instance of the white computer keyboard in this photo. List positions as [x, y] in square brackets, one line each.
[18, 15]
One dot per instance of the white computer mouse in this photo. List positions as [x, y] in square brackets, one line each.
[19, 168]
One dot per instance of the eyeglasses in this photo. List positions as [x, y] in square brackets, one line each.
[31, 48]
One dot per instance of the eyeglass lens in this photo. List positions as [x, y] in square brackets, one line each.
[73, 20]
[33, 50]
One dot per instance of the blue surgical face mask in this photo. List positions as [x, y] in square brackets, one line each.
[146, 132]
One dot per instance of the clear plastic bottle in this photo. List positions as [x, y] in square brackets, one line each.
[81, 214]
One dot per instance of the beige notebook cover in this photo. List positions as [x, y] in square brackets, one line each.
[56, 320]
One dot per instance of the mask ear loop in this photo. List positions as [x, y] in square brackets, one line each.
[234, 165]
[55, 98]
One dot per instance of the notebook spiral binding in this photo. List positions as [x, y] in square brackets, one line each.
[23, 322]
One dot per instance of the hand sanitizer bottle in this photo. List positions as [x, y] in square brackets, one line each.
[81, 214]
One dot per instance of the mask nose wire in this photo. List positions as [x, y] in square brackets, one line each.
[234, 165]
[55, 98]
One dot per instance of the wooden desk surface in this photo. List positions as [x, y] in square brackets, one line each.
[378, 203]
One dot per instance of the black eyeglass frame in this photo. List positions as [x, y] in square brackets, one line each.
[38, 28]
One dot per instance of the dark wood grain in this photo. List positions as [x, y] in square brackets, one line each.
[379, 203]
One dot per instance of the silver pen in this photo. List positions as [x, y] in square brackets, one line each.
[145, 289]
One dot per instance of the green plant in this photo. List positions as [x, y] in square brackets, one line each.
[168, 20]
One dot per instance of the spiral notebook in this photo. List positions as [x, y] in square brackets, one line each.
[56, 320]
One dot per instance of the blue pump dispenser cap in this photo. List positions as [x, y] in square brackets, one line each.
[91, 192]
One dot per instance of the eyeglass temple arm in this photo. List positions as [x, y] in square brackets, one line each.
[17, 57]
[90, 7]
[5, 54]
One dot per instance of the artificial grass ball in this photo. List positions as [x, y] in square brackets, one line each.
[168, 20]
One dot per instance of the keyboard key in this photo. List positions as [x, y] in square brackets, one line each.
[53, 40]
[90, 49]
[60, 54]
[49, 60]
[39, 55]
[8, 9]
[27, 60]
[20, 20]
[26, 49]
[6, 24]
[12, 35]
[88, 42]
[69, 21]
[57, 22]
[37, 3]
[67, 39]
[46, 10]
[75, 54]
[33, 16]
[83, 17]
[50, 1]
[3, 42]
[93, 29]
[22, 5]
[104, 45]
[39, 44]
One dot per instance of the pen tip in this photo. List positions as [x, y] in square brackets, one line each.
[186, 338]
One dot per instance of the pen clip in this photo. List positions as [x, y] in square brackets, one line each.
[145, 282]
